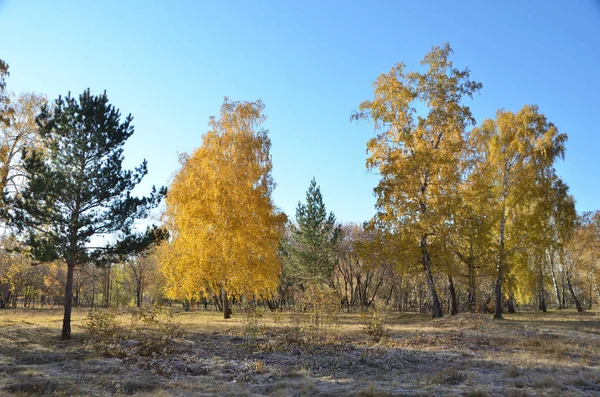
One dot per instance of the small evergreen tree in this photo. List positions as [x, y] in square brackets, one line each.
[311, 247]
[77, 188]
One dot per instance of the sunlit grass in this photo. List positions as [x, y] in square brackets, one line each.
[554, 353]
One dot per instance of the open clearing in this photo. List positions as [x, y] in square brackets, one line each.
[549, 354]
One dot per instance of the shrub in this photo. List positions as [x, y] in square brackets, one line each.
[150, 333]
[259, 367]
[376, 326]
[253, 315]
[323, 305]
[104, 333]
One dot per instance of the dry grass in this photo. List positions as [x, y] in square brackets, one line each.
[527, 354]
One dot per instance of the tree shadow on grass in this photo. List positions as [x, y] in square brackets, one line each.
[34, 362]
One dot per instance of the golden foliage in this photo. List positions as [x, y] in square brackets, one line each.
[225, 228]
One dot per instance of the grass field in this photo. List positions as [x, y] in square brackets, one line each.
[528, 354]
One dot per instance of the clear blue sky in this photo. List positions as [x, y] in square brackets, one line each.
[312, 62]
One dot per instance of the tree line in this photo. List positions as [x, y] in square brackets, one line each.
[469, 216]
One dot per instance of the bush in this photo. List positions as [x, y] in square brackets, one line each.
[376, 326]
[104, 333]
[323, 305]
[150, 333]
[253, 315]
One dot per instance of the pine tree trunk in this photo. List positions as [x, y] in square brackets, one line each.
[453, 300]
[436, 307]
[68, 303]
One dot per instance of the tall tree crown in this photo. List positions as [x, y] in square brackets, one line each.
[420, 122]
[225, 225]
[77, 187]
[312, 246]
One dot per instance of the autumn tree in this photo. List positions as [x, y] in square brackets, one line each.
[580, 257]
[224, 225]
[420, 121]
[18, 134]
[364, 265]
[313, 240]
[561, 221]
[78, 189]
[519, 151]
[18, 278]
[551, 223]
[141, 270]
[4, 99]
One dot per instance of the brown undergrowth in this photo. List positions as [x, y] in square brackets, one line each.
[163, 353]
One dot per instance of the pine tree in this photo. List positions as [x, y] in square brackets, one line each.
[313, 241]
[77, 188]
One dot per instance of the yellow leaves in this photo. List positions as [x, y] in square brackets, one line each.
[18, 134]
[227, 228]
[419, 144]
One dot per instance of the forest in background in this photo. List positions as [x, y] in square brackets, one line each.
[469, 216]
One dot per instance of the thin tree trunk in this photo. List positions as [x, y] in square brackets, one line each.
[511, 304]
[499, 272]
[93, 286]
[472, 297]
[591, 290]
[138, 293]
[436, 307]
[346, 291]
[226, 308]
[389, 297]
[68, 303]
[107, 287]
[453, 300]
[117, 292]
[555, 284]
[218, 301]
[570, 285]
[77, 287]
[542, 292]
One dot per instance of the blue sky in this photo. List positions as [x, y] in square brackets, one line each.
[170, 64]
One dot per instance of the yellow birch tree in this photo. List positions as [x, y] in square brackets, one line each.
[420, 121]
[519, 151]
[224, 225]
